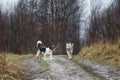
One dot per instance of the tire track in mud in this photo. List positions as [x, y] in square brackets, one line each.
[60, 69]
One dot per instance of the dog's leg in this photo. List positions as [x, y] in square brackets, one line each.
[37, 54]
[69, 55]
[71, 52]
[51, 56]
[44, 56]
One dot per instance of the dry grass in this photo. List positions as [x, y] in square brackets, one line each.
[10, 67]
[107, 53]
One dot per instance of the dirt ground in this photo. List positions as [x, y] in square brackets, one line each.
[105, 71]
[60, 68]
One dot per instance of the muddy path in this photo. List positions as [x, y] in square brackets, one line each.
[60, 68]
[105, 71]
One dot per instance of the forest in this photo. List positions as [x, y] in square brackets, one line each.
[55, 22]
[52, 21]
[92, 27]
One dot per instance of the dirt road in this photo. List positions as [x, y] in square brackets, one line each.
[60, 68]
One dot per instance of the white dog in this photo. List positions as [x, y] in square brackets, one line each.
[44, 50]
[69, 50]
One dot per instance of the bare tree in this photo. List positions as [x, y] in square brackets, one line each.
[52, 21]
[105, 26]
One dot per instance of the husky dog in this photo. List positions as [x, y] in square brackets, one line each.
[69, 49]
[44, 50]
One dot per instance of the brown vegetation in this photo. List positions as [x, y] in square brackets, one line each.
[10, 67]
[106, 53]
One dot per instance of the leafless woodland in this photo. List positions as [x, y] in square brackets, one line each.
[55, 22]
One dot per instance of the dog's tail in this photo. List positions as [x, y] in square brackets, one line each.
[39, 43]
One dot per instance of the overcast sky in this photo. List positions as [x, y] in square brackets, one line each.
[7, 4]
[88, 5]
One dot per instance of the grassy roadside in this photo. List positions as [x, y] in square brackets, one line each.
[105, 53]
[10, 67]
[45, 65]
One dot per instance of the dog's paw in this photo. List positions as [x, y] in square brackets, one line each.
[52, 58]
[70, 58]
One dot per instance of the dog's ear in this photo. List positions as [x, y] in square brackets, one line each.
[72, 44]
